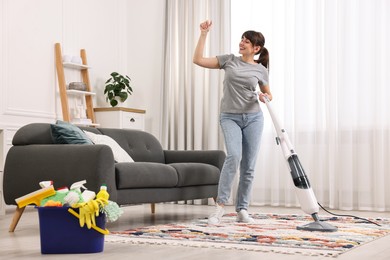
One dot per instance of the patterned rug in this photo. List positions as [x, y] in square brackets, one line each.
[270, 233]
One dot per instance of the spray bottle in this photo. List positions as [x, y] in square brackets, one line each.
[74, 195]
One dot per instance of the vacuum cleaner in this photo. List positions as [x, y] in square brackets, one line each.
[303, 190]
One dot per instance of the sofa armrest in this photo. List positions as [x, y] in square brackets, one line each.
[213, 157]
[64, 164]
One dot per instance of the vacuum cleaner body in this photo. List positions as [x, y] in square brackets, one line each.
[303, 189]
[301, 182]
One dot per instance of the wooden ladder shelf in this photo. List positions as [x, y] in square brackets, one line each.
[62, 84]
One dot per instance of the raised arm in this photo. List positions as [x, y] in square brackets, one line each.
[199, 59]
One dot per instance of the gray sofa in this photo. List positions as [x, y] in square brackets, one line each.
[157, 175]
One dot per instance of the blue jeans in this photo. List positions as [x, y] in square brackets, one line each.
[242, 134]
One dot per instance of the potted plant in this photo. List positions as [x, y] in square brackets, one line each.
[117, 88]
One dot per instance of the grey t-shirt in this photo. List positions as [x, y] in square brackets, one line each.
[239, 85]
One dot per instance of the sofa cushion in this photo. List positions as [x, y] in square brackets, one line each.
[145, 175]
[192, 174]
[66, 133]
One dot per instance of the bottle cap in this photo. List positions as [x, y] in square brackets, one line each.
[63, 189]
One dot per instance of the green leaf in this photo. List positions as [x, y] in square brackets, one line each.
[113, 102]
[117, 89]
[123, 96]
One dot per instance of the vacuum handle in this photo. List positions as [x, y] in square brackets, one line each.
[281, 133]
[274, 118]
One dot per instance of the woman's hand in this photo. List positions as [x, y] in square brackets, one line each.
[262, 97]
[265, 91]
[205, 26]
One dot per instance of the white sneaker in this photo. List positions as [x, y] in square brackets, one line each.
[216, 216]
[243, 216]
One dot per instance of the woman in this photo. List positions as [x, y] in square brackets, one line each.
[241, 118]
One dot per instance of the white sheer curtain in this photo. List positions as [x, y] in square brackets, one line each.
[192, 94]
[329, 74]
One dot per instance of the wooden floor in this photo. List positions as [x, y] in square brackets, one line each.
[24, 243]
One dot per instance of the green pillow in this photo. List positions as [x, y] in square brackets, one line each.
[66, 133]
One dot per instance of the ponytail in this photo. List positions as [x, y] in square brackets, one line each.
[264, 57]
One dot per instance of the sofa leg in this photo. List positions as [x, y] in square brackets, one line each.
[153, 207]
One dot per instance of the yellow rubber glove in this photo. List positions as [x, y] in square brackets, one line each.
[81, 212]
[88, 211]
[94, 210]
[89, 215]
[86, 214]
[102, 202]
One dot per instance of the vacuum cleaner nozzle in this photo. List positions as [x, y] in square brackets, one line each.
[318, 225]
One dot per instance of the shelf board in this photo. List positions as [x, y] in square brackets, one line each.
[75, 66]
[80, 92]
[108, 109]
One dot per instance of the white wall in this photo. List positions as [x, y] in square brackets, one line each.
[145, 55]
[118, 35]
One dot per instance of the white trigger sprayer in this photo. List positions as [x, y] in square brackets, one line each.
[303, 190]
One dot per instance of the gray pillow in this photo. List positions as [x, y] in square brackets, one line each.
[66, 133]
